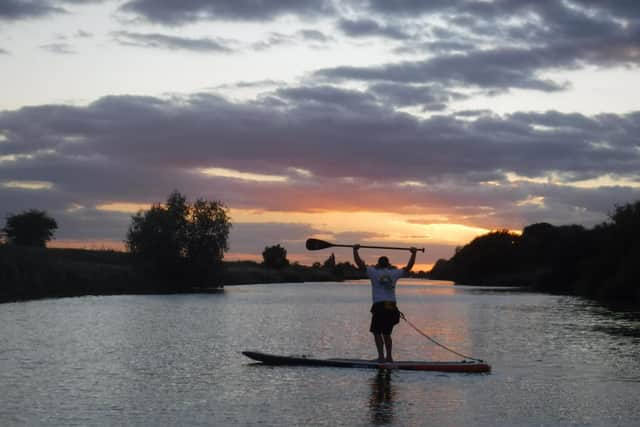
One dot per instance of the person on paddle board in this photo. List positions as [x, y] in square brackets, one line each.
[385, 313]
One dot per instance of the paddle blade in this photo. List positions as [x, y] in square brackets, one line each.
[316, 245]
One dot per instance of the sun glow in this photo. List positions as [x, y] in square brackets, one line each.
[123, 207]
[380, 226]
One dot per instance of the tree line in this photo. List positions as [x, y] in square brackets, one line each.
[175, 246]
[602, 262]
[180, 246]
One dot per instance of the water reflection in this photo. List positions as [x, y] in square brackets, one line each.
[382, 397]
[174, 360]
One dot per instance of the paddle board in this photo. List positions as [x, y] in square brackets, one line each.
[462, 366]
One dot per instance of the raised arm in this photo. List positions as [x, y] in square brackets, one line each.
[356, 256]
[412, 260]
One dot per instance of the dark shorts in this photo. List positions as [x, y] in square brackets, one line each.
[385, 316]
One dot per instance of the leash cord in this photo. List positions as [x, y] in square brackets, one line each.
[436, 342]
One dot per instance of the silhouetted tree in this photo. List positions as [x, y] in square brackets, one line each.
[330, 263]
[180, 242]
[30, 228]
[601, 263]
[443, 269]
[346, 270]
[275, 257]
[486, 256]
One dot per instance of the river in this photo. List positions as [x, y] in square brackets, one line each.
[175, 359]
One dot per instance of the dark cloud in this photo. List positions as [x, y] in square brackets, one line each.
[220, 133]
[3, 51]
[178, 13]
[370, 28]
[497, 69]
[169, 42]
[439, 47]
[429, 97]
[359, 154]
[623, 9]
[11, 10]
[328, 98]
[484, 47]
[500, 69]
[411, 7]
[22, 9]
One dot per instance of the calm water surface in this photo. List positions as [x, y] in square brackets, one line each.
[175, 360]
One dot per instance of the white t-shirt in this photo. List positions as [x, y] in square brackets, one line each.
[383, 283]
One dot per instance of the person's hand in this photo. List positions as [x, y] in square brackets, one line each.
[413, 250]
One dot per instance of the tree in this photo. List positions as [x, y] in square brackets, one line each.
[275, 257]
[180, 242]
[330, 263]
[30, 228]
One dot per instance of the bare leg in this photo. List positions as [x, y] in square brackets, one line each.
[379, 346]
[388, 343]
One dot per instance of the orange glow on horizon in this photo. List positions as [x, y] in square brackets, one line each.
[346, 227]
[124, 207]
[102, 245]
[383, 226]
[414, 229]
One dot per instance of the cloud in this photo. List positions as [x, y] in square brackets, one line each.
[220, 133]
[314, 36]
[496, 46]
[81, 34]
[411, 7]
[180, 13]
[13, 10]
[370, 28]
[355, 153]
[313, 39]
[4, 51]
[169, 42]
[328, 98]
[498, 69]
[59, 48]
[429, 97]
[22, 9]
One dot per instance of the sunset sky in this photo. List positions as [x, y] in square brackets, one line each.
[415, 123]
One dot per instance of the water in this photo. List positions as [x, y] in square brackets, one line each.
[175, 359]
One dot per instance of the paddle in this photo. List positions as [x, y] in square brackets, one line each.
[316, 245]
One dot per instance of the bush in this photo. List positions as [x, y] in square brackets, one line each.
[275, 257]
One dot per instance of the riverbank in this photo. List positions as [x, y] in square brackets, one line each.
[599, 263]
[33, 273]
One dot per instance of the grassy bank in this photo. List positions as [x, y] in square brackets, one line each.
[31, 273]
